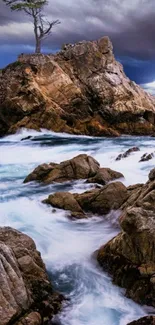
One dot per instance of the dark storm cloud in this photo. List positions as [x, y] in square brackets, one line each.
[129, 23]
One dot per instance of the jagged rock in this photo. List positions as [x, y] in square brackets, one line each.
[99, 201]
[130, 256]
[127, 153]
[152, 175]
[79, 167]
[105, 175]
[64, 200]
[147, 320]
[147, 156]
[81, 90]
[24, 282]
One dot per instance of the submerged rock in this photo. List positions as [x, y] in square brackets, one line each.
[79, 167]
[26, 295]
[147, 156]
[127, 153]
[80, 90]
[130, 256]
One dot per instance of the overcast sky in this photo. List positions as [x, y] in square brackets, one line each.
[129, 23]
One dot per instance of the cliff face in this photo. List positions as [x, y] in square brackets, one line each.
[81, 90]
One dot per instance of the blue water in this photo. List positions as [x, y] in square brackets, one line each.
[67, 246]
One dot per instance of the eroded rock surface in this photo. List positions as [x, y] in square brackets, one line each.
[79, 167]
[98, 201]
[26, 295]
[81, 90]
[130, 256]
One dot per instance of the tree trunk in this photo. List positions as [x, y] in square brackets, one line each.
[37, 38]
[38, 45]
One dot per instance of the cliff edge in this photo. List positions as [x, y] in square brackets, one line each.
[80, 90]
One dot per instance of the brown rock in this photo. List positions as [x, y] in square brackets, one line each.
[33, 318]
[152, 175]
[64, 200]
[81, 90]
[24, 282]
[105, 175]
[101, 201]
[147, 320]
[80, 167]
[130, 256]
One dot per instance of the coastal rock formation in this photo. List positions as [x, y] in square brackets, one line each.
[26, 295]
[98, 201]
[148, 320]
[130, 256]
[79, 167]
[80, 90]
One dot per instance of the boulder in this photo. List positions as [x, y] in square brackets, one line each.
[152, 175]
[127, 153]
[64, 200]
[79, 167]
[130, 256]
[105, 175]
[99, 201]
[26, 295]
[80, 90]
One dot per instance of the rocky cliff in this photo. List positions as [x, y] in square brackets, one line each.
[26, 295]
[80, 90]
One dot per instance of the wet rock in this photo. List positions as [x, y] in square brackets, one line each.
[147, 156]
[64, 200]
[80, 90]
[80, 167]
[99, 201]
[152, 175]
[147, 320]
[105, 175]
[26, 138]
[130, 256]
[26, 291]
[127, 153]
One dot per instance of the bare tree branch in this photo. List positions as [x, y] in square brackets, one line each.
[34, 8]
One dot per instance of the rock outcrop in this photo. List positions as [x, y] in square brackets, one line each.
[79, 167]
[98, 201]
[26, 295]
[81, 90]
[130, 256]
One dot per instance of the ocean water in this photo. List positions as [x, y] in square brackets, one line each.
[67, 246]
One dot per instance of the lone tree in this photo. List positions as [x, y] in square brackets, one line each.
[34, 8]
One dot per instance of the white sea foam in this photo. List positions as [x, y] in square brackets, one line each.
[66, 245]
